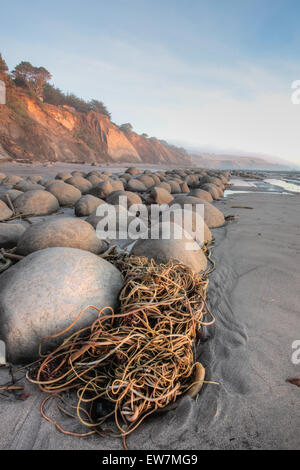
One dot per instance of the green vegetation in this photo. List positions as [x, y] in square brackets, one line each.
[3, 65]
[126, 128]
[55, 96]
[36, 82]
[32, 77]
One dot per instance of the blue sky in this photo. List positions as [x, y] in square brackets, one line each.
[211, 74]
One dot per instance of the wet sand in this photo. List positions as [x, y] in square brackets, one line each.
[254, 294]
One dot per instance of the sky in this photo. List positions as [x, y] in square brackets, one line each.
[208, 74]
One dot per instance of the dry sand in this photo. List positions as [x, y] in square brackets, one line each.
[255, 296]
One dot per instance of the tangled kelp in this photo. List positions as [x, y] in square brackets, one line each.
[137, 360]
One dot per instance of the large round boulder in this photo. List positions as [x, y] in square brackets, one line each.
[28, 186]
[87, 204]
[215, 191]
[12, 194]
[213, 217]
[136, 185]
[60, 231]
[116, 219]
[190, 221]
[35, 178]
[80, 183]
[131, 198]
[36, 202]
[202, 194]
[164, 249]
[10, 234]
[66, 194]
[147, 180]
[101, 190]
[159, 196]
[45, 292]
[63, 175]
[12, 179]
[133, 171]
[5, 212]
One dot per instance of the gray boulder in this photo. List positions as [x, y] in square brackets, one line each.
[63, 175]
[36, 202]
[5, 212]
[136, 185]
[160, 196]
[45, 292]
[133, 171]
[60, 231]
[101, 190]
[12, 193]
[131, 198]
[87, 204]
[162, 250]
[35, 178]
[80, 183]
[213, 217]
[215, 191]
[12, 179]
[66, 194]
[202, 194]
[10, 234]
[29, 186]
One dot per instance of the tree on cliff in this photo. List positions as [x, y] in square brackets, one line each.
[99, 107]
[34, 78]
[127, 128]
[3, 65]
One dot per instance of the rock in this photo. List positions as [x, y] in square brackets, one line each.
[214, 191]
[160, 196]
[51, 181]
[164, 185]
[133, 171]
[35, 179]
[80, 183]
[162, 250]
[117, 185]
[5, 212]
[184, 188]
[66, 194]
[2, 176]
[147, 180]
[175, 187]
[117, 219]
[27, 186]
[202, 194]
[94, 179]
[60, 231]
[63, 175]
[36, 202]
[126, 176]
[37, 298]
[12, 179]
[101, 190]
[132, 198]
[87, 204]
[213, 217]
[12, 193]
[10, 234]
[191, 222]
[135, 185]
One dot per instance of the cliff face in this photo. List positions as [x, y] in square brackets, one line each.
[153, 151]
[30, 129]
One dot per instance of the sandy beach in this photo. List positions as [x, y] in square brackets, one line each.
[254, 294]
